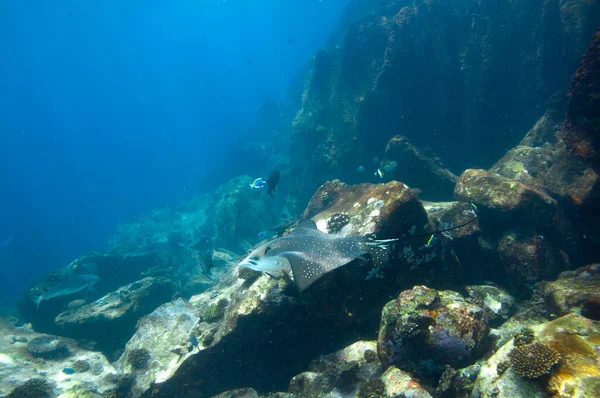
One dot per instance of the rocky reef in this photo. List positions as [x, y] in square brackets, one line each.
[36, 365]
[490, 284]
[449, 76]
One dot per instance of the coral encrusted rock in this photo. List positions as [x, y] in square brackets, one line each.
[48, 347]
[572, 338]
[424, 329]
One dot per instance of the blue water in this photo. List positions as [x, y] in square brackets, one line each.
[109, 109]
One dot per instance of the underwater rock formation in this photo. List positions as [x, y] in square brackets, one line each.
[498, 304]
[573, 338]
[559, 156]
[110, 320]
[113, 271]
[503, 202]
[161, 341]
[419, 170]
[575, 291]
[261, 309]
[386, 210]
[456, 251]
[424, 329]
[354, 371]
[529, 259]
[26, 373]
[343, 373]
[438, 73]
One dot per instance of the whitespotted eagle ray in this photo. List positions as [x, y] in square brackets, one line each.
[310, 253]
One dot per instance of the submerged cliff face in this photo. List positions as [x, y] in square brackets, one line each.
[464, 78]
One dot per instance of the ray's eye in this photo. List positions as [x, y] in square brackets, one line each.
[266, 251]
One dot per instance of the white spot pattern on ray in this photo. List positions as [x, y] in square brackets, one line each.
[312, 253]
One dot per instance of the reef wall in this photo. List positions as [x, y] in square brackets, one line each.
[465, 78]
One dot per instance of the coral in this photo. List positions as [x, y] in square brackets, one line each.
[370, 356]
[32, 388]
[374, 388]
[214, 312]
[336, 222]
[48, 347]
[525, 337]
[502, 367]
[533, 360]
[81, 366]
[138, 358]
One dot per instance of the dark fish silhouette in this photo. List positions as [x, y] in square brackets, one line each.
[272, 182]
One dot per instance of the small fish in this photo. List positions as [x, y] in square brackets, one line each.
[390, 165]
[475, 209]
[263, 235]
[379, 173]
[360, 169]
[68, 371]
[194, 341]
[258, 183]
[71, 284]
[430, 241]
[272, 182]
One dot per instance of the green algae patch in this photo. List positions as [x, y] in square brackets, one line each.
[214, 312]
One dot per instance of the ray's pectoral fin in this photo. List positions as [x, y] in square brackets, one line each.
[306, 269]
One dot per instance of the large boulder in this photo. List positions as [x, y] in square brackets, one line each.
[343, 373]
[529, 258]
[355, 371]
[110, 321]
[424, 330]
[574, 175]
[387, 210]
[575, 291]
[505, 202]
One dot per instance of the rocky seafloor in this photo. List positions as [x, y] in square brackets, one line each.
[505, 302]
